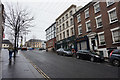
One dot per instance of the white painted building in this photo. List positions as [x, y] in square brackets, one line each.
[65, 28]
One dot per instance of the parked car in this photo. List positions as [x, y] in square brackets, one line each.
[30, 48]
[60, 51]
[114, 57]
[24, 48]
[67, 53]
[89, 55]
[41, 49]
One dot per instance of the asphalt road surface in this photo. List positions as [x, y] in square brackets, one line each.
[56, 66]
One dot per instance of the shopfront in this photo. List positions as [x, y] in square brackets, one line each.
[67, 43]
[82, 43]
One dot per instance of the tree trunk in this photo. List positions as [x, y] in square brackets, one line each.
[15, 44]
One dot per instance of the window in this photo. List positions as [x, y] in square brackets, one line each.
[62, 19]
[57, 37]
[109, 2]
[57, 30]
[56, 23]
[72, 31]
[112, 15]
[60, 36]
[67, 24]
[63, 26]
[101, 38]
[60, 28]
[66, 16]
[99, 21]
[79, 29]
[70, 13]
[78, 18]
[67, 33]
[54, 34]
[63, 35]
[71, 21]
[116, 35]
[87, 13]
[96, 7]
[88, 26]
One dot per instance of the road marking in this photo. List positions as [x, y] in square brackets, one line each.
[38, 69]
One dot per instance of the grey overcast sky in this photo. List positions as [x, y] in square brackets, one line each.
[45, 13]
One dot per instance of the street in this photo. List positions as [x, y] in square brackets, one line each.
[56, 66]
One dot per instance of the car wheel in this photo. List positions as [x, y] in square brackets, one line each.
[116, 63]
[78, 57]
[92, 59]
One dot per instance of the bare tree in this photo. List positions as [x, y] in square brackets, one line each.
[19, 21]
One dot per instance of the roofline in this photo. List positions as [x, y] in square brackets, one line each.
[84, 7]
[66, 11]
[50, 26]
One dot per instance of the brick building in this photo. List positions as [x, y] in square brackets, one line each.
[97, 27]
[51, 37]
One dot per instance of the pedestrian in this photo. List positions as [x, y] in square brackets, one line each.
[10, 49]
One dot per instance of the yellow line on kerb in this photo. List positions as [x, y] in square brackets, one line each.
[38, 69]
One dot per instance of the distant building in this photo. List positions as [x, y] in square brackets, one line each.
[35, 43]
[2, 21]
[6, 44]
[51, 37]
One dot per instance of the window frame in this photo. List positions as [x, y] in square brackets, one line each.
[101, 33]
[87, 26]
[68, 33]
[79, 29]
[97, 21]
[88, 13]
[112, 30]
[108, 3]
[71, 21]
[72, 31]
[110, 16]
[97, 3]
[78, 18]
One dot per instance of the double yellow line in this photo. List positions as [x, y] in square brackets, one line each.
[38, 69]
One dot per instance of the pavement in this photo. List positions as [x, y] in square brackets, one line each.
[18, 68]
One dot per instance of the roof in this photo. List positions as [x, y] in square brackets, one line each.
[35, 40]
[66, 11]
[84, 7]
[50, 26]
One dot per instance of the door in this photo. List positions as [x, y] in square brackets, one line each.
[93, 43]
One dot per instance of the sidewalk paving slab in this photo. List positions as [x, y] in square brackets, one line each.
[18, 67]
